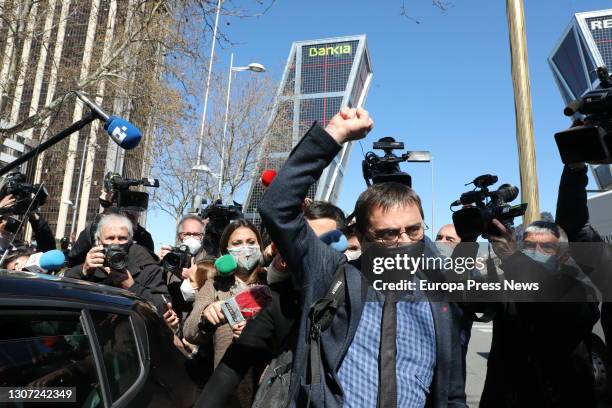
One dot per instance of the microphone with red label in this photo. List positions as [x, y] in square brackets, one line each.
[246, 304]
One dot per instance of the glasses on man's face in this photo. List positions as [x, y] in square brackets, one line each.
[391, 236]
[197, 235]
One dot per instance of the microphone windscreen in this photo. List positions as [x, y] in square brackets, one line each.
[335, 239]
[52, 260]
[252, 300]
[267, 176]
[226, 265]
[123, 132]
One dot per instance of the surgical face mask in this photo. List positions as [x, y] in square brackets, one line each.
[247, 257]
[547, 261]
[188, 291]
[351, 255]
[193, 244]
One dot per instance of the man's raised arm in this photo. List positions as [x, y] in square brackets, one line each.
[281, 206]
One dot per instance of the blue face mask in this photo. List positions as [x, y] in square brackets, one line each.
[549, 262]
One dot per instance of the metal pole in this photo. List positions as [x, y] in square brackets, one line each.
[229, 87]
[522, 107]
[201, 138]
[50, 142]
[78, 192]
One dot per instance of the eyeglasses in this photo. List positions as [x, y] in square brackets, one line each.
[183, 235]
[391, 236]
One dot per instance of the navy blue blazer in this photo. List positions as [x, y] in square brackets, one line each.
[314, 265]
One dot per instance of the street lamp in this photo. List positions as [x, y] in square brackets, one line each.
[201, 138]
[253, 67]
[202, 168]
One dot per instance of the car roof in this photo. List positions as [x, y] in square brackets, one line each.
[19, 285]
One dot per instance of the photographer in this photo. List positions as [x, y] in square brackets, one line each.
[189, 233]
[84, 242]
[42, 235]
[133, 267]
[354, 370]
[538, 355]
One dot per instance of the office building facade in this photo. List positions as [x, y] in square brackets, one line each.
[321, 76]
[56, 43]
[585, 45]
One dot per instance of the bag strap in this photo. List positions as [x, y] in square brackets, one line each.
[321, 315]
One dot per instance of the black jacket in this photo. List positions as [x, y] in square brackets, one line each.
[538, 357]
[266, 336]
[146, 272]
[45, 240]
[314, 265]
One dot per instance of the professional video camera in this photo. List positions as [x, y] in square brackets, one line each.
[116, 257]
[378, 169]
[125, 198]
[27, 196]
[177, 259]
[592, 142]
[475, 220]
[219, 216]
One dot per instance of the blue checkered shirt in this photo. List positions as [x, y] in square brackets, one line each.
[416, 356]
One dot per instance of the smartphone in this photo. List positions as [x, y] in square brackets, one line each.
[166, 301]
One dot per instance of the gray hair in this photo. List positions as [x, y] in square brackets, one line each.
[125, 221]
[179, 226]
[546, 227]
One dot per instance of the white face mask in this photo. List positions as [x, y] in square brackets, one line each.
[193, 244]
[188, 291]
[351, 255]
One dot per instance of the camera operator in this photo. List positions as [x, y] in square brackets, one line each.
[136, 269]
[538, 352]
[45, 241]
[84, 242]
[388, 214]
[448, 234]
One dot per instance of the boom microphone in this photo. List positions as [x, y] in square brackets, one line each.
[120, 130]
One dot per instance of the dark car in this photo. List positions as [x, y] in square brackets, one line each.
[109, 345]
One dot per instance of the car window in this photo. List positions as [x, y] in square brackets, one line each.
[118, 344]
[43, 349]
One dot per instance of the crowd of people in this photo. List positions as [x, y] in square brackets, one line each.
[325, 337]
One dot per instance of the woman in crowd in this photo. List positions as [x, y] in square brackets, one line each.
[206, 321]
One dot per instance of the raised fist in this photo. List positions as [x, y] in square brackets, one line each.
[349, 124]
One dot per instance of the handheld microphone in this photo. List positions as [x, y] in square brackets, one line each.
[48, 261]
[226, 265]
[120, 130]
[246, 304]
[335, 239]
[52, 260]
[267, 177]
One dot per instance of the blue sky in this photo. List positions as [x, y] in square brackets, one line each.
[443, 85]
